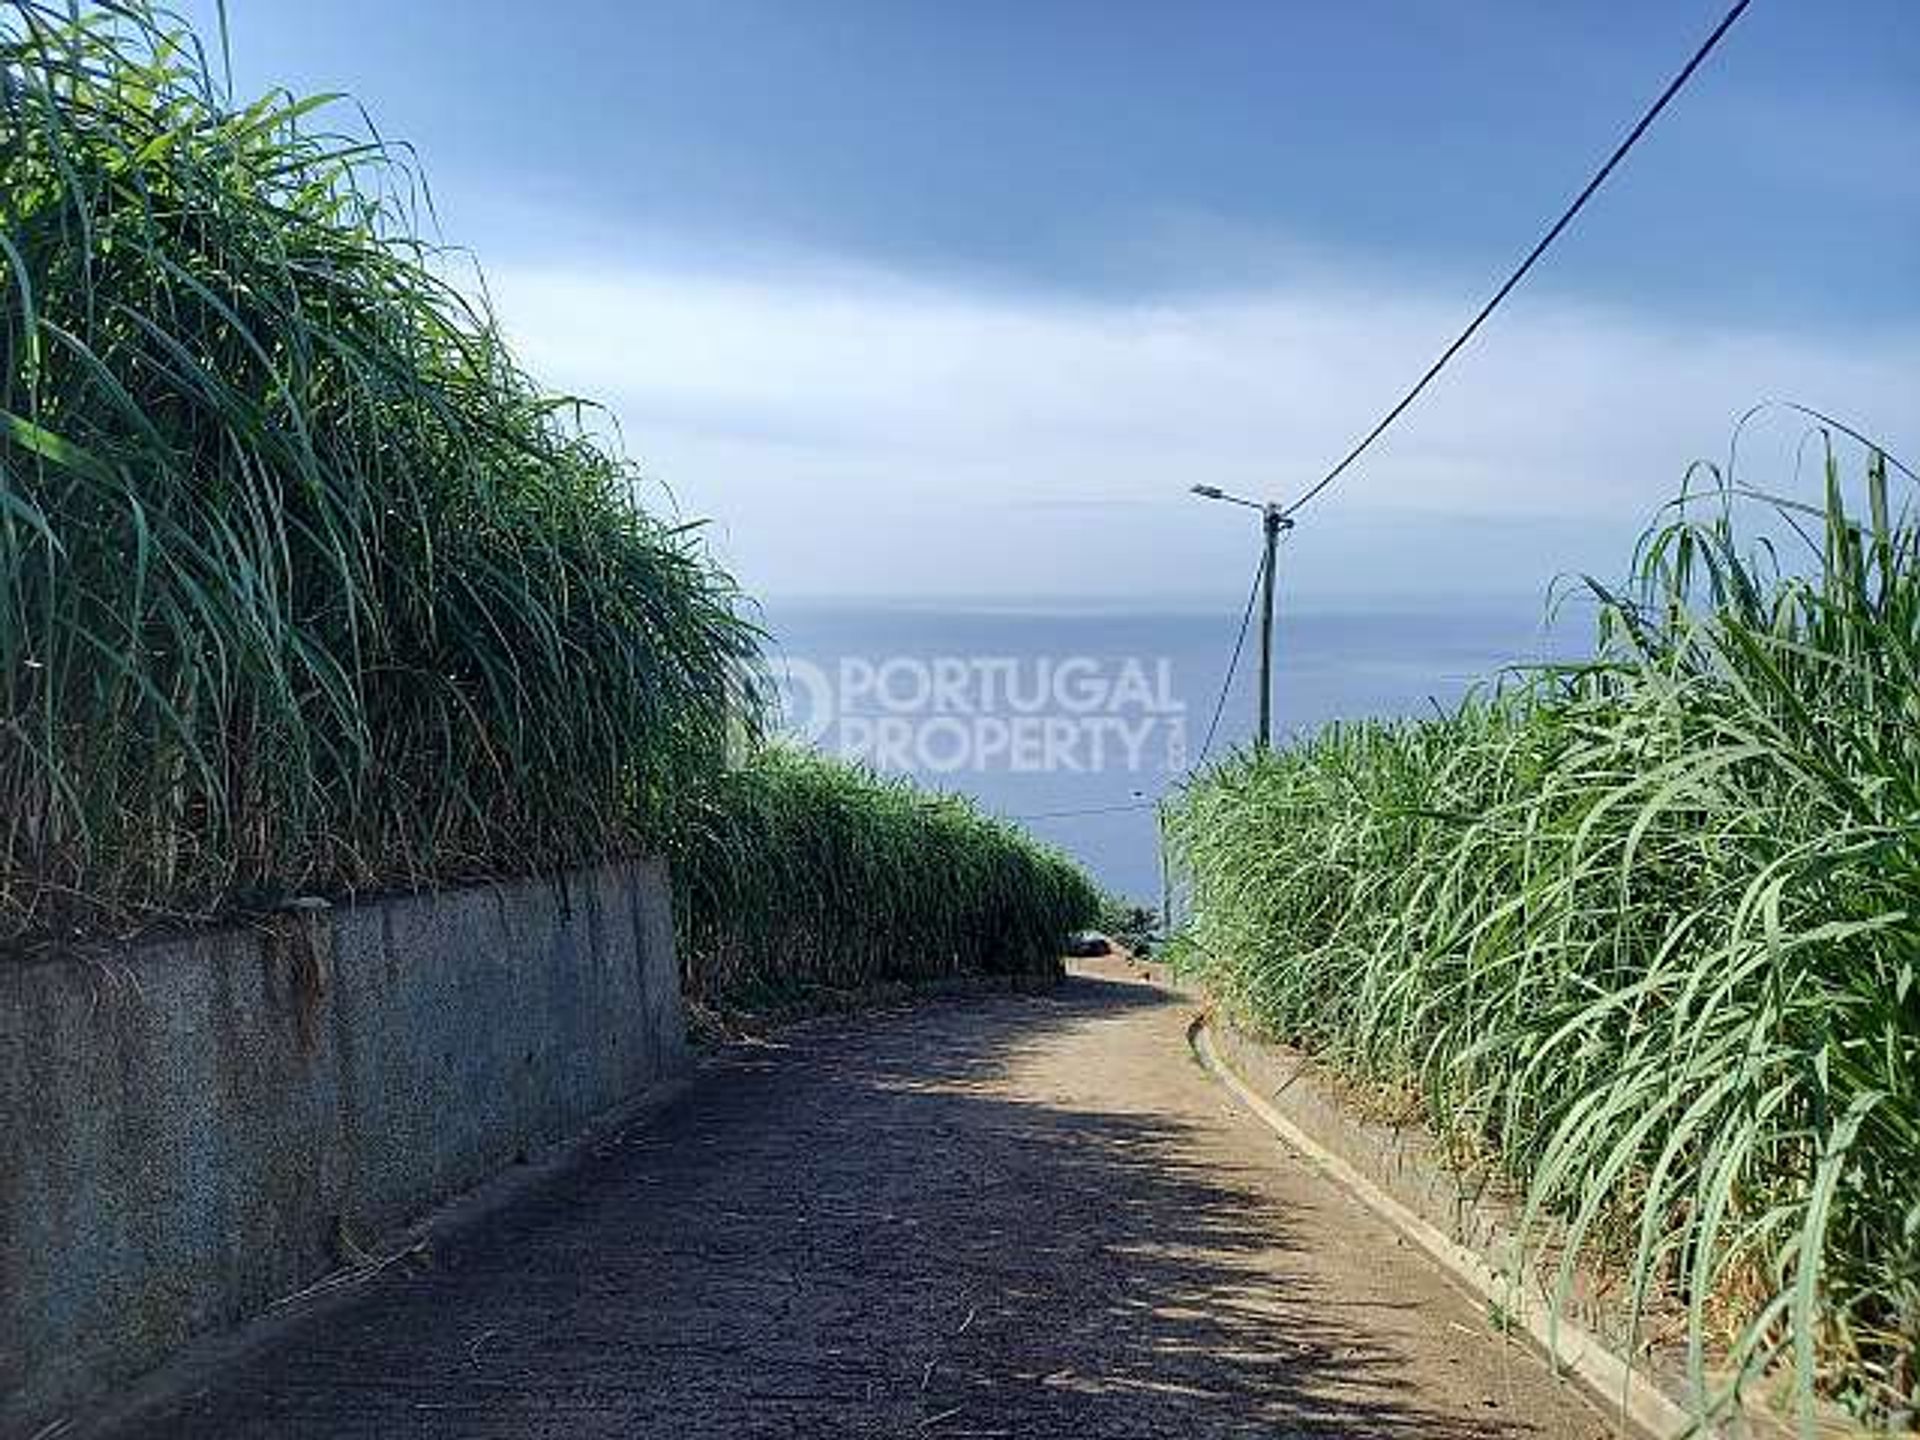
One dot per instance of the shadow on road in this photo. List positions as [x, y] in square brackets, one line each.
[863, 1228]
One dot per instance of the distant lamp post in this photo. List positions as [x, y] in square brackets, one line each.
[1272, 521]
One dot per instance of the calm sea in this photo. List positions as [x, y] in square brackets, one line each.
[1074, 718]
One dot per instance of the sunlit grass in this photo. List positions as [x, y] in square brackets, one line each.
[306, 585]
[1645, 930]
[303, 582]
[804, 872]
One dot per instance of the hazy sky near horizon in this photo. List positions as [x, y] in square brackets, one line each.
[924, 298]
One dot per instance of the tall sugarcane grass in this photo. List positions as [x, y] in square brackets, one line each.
[303, 582]
[1645, 931]
[801, 873]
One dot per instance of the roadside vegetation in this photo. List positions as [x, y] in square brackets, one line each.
[307, 587]
[304, 584]
[804, 877]
[1644, 933]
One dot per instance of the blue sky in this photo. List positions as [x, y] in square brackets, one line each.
[928, 297]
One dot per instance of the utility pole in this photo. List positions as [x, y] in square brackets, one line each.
[1273, 519]
[1271, 522]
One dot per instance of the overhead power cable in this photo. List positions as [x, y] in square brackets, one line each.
[1239, 643]
[1400, 407]
[1674, 87]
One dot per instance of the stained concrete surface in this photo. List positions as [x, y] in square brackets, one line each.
[1011, 1216]
[194, 1128]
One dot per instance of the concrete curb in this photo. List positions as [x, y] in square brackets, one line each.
[1568, 1347]
[206, 1358]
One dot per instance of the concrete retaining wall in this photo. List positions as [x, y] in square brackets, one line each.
[193, 1129]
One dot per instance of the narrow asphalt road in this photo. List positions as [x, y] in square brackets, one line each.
[1012, 1216]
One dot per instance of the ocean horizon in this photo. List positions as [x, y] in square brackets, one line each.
[1074, 714]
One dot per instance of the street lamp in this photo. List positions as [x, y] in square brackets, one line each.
[1272, 521]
